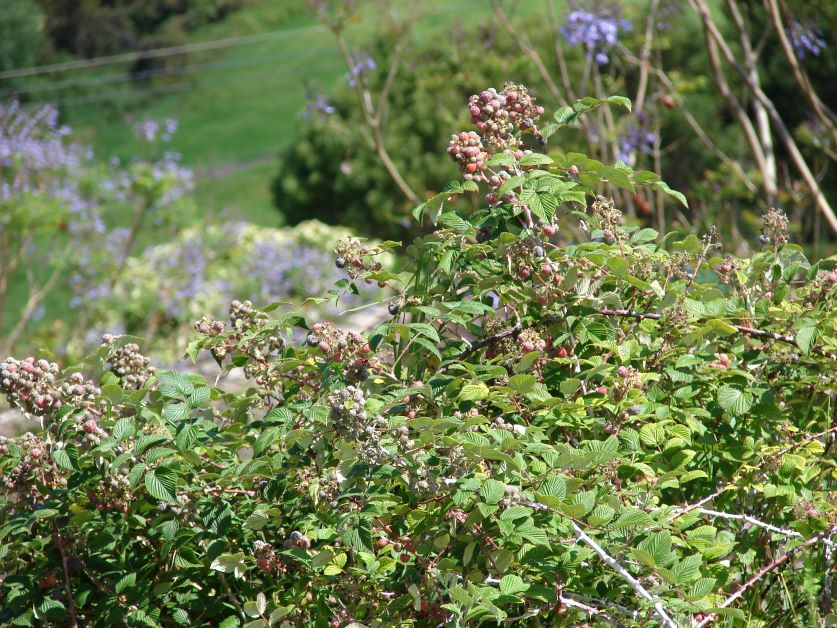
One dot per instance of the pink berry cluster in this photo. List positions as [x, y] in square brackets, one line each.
[530, 340]
[266, 558]
[340, 346]
[34, 467]
[126, 362]
[774, 229]
[31, 385]
[626, 378]
[467, 150]
[497, 115]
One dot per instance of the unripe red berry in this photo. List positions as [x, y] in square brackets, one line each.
[263, 563]
[523, 273]
[89, 426]
[622, 371]
[602, 390]
[562, 352]
[549, 230]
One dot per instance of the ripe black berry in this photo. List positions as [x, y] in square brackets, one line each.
[538, 251]
[393, 309]
[340, 262]
[312, 340]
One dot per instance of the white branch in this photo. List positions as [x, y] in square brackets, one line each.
[635, 584]
[760, 524]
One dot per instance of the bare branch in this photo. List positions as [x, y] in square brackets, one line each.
[826, 115]
[716, 41]
[761, 573]
[635, 584]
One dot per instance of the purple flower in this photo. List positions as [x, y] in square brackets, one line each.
[150, 129]
[318, 104]
[637, 138]
[807, 39]
[596, 29]
[360, 65]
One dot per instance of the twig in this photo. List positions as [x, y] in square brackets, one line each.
[758, 576]
[759, 524]
[716, 41]
[230, 595]
[71, 603]
[635, 584]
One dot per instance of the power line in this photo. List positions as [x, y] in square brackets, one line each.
[160, 52]
[122, 77]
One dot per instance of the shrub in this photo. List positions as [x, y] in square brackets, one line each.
[631, 430]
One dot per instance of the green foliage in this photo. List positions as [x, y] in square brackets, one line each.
[329, 172]
[625, 432]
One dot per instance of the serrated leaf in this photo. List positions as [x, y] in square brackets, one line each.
[492, 491]
[631, 518]
[511, 584]
[734, 400]
[161, 483]
[474, 392]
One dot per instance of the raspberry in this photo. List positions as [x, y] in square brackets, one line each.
[393, 309]
[89, 426]
[573, 170]
[311, 340]
[622, 371]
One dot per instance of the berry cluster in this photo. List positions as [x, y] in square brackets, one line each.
[32, 386]
[113, 494]
[609, 218]
[467, 150]
[298, 540]
[245, 320]
[530, 340]
[498, 115]
[126, 362]
[34, 463]
[266, 558]
[774, 228]
[355, 258]
[627, 378]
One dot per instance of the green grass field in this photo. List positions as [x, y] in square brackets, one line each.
[242, 104]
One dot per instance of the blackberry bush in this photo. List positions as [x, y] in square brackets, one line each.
[626, 429]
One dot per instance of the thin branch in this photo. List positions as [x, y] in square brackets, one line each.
[529, 50]
[646, 56]
[717, 41]
[692, 122]
[826, 116]
[68, 588]
[761, 573]
[762, 121]
[741, 329]
[735, 107]
[760, 524]
[559, 50]
[635, 584]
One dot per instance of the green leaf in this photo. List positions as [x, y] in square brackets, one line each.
[126, 582]
[631, 518]
[734, 400]
[701, 588]
[230, 563]
[492, 491]
[124, 428]
[161, 483]
[512, 584]
[806, 334]
[473, 392]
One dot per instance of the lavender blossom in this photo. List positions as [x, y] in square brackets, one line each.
[318, 104]
[361, 65]
[596, 29]
[150, 129]
[807, 39]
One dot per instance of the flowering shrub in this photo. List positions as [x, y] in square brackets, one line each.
[163, 290]
[632, 429]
